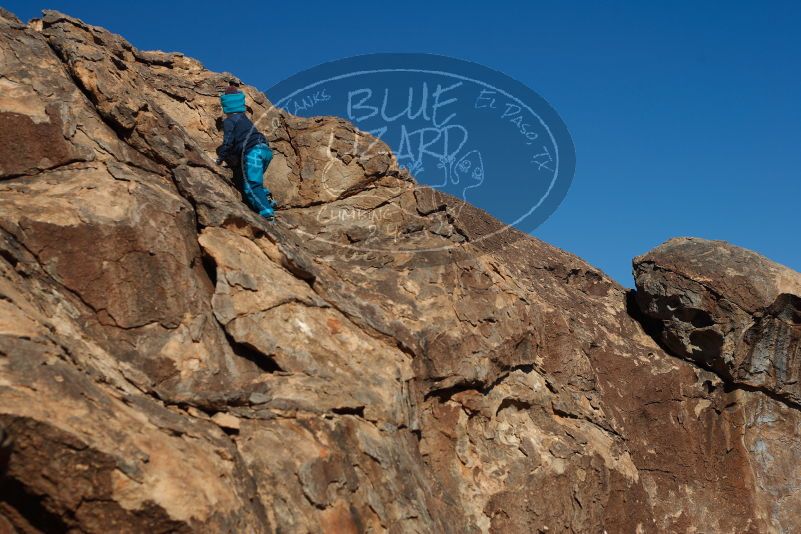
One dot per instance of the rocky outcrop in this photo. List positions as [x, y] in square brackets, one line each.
[727, 308]
[382, 358]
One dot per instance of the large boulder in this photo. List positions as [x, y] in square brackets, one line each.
[727, 308]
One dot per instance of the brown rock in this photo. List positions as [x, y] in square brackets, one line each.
[727, 308]
[382, 358]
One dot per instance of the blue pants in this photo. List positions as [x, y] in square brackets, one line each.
[256, 161]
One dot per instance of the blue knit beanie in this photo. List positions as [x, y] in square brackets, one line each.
[233, 102]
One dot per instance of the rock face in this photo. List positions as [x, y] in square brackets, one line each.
[383, 358]
[729, 309]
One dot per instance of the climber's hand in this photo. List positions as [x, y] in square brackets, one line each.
[218, 161]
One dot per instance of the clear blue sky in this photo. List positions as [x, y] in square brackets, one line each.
[686, 116]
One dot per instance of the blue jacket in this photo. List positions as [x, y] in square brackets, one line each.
[239, 136]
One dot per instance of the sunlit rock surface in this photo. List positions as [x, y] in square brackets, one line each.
[381, 358]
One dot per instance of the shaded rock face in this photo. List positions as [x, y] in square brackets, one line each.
[382, 358]
[728, 309]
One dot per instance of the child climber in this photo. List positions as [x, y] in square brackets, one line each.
[245, 151]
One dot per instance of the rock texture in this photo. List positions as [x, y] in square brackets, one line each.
[383, 358]
[729, 309]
